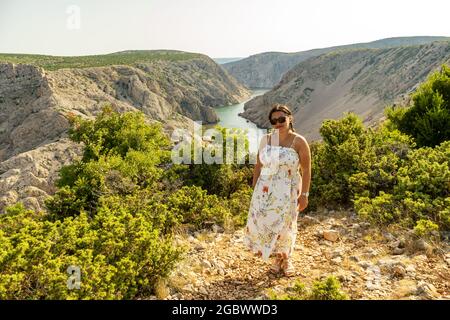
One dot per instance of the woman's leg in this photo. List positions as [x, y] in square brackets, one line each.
[286, 266]
[276, 265]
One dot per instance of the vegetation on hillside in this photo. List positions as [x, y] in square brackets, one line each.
[427, 119]
[114, 215]
[326, 289]
[117, 208]
[387, 174]
[118, 58]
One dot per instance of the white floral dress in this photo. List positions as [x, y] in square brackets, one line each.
[272, 218]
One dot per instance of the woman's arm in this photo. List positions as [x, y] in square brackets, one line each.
[305, 164]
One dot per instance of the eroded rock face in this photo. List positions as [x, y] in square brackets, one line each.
[29, 177]
[34, 104]
[265, 70]
[27, 113]
[362, 81]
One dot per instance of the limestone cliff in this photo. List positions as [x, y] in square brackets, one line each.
[361, 80]
[34, 103]
[265, 70]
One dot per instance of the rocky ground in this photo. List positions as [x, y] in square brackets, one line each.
[370, 263]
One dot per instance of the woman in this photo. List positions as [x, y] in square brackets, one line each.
[280, 192]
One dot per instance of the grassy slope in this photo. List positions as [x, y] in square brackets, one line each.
[119, 58]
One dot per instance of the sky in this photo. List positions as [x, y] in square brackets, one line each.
[218, 28]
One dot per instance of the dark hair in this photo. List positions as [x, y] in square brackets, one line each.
[283, 108]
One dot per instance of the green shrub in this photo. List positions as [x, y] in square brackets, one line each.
[114, 214]
[428, 118]
[121, 155]
[239, 204]
[193, 205]
[421, 191]
[113, 133]
[424, 228]
[120, 254]
[327, 289]
[354, 161]
[379, 210]
[222, 179]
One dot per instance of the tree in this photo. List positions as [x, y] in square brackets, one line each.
[428, 118]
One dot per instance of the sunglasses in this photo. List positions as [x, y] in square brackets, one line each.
[281, 119]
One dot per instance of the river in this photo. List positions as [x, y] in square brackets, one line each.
[229, 118]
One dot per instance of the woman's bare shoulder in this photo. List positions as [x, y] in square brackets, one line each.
[299, 137]
[300, 141]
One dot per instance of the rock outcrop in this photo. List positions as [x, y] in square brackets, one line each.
[265, 70]
[35, 102]
[29, 177]
[363, 81]
[219, 266]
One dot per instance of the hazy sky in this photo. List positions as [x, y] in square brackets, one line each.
[218, 28]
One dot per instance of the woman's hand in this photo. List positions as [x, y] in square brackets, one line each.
[302, 203]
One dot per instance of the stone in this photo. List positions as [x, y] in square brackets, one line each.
[337, 253]
[337, 260]
[372, 286]
[217, 229]
[364, 264]
[331, 235]
[420, 258]
[370, 253]
[405, 287]
[206, 264]
[308, 220]
[356, 226]
[427, 290]
[388, 236]
[188, 288]
[398, 251]
[398, 271]
[422, 245]
[203, 291]
[447, 260]
[200, 246]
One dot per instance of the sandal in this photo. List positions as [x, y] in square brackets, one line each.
[287, 267]
[276, 265]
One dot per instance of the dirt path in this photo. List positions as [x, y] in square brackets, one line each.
[369, 263]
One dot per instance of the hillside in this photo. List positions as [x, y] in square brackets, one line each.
[38, 92]
[359, 80]
[266, 69]
[144, 228]
[367, 261]
[130, 57]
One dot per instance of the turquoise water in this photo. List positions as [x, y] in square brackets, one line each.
[229, 118]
